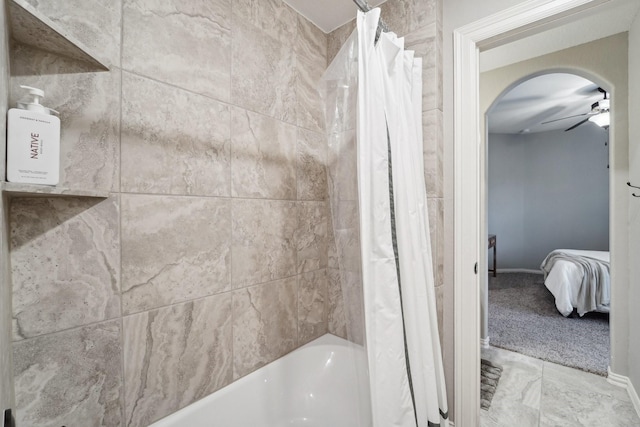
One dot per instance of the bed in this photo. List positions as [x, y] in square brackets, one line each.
[578, 279]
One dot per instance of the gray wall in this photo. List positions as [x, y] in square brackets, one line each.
[548, 191]
[634, 203]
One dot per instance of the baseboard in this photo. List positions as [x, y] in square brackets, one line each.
[518, 270]
[624, 382]
[634, 397]
[617, 380]
[484, 342]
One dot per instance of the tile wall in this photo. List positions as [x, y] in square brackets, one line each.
[6, 377]
[211, 253]
[209, 257]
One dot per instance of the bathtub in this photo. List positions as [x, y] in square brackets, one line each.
[321, 384]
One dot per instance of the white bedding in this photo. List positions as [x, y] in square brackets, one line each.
[564, 280]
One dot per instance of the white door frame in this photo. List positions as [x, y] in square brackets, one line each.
[503, 27]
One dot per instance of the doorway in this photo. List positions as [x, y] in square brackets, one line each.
[469, 155]
[548, 202]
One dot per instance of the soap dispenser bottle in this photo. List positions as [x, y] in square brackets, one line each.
[33, 141]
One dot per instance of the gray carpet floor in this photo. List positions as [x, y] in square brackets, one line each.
[523, 318]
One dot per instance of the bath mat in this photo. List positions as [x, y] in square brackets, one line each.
[489, 377]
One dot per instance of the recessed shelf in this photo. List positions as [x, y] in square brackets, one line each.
[12, 189]
[30, 27]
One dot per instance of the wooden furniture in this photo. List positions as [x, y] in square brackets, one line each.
[492, 244]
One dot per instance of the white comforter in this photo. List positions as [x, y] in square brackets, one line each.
[564, 280]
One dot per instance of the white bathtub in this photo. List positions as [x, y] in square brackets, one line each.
[321, 384]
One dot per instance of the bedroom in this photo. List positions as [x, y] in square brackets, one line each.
[548, 189]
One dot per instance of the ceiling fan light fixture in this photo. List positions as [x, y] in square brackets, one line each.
[601, 120]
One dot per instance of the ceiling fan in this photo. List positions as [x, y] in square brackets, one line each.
[599, 113]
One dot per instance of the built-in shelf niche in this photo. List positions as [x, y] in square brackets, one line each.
[31, 28]
[12, 190]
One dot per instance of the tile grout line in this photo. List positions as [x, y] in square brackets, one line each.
[228, 104]
[123, 402]
[231, 216]
[204, 196]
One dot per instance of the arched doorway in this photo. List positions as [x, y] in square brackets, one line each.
[467, 156]
[547, 188]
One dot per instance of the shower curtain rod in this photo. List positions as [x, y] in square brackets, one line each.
[364, 6]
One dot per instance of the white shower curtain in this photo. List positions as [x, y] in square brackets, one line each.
[401, 330]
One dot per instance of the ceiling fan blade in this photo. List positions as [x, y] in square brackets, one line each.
[568, 117]
[577, 124]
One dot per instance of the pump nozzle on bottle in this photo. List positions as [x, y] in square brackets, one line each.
[37, 94]
[32, 101]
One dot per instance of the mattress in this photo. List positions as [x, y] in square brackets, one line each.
[565, 278]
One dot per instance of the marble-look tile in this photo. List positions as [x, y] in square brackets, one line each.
[340, 106]
[436, 228]
[342, 172]
[174, 249]
[264, 72]
[345, 305]
[6, 363]
[346, 215]
[344, 250]
[439, 67]
[70, 378]
[264, 324]
[561, 397]
[343, 243]
[311, 165]
[311, 43]
[332, 249]
[33, 31]
[439, 292]
[96, 23]
[311, 236]
[89, 106]
[433, 150]
[4, 87]
[522, 375]
[427, 44]
[309, 105]
[311, 63]
[65, 263]
[263, 153]
[179, 146]
[517, 397]
[174, 356]
[336, 319]
[405, 16]
[274, 17]
[337, 38]
[312, 305]
[575, 398]
[187, 44]
[264, 246]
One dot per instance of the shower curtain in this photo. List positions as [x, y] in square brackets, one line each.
[374, 87]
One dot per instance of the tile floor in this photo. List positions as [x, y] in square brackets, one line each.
[535, 393]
